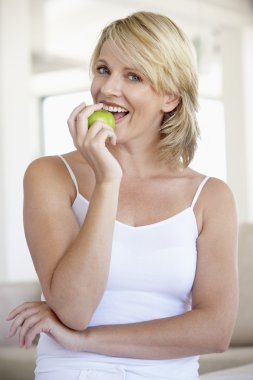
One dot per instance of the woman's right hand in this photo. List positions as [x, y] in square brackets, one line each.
[91, 143]
[32, 318]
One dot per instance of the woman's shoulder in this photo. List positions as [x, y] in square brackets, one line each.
[54, 165]
[216, 197]
[45, 167]
[218, 190]
[214, 186]
[49, 173]
[216, 203]
[42, 163]
[215, 191]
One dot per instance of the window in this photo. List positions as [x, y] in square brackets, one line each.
[55, 113]
[210, 157]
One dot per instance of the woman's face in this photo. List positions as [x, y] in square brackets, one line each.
[116, 84]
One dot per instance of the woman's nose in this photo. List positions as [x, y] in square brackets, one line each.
[112, 86]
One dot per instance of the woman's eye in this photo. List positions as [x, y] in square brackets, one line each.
[102, 70]
[134, 77]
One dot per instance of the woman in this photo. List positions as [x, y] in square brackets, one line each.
[135, 251]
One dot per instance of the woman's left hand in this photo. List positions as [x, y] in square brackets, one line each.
[32, 318]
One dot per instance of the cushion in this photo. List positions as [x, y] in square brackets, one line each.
[16, 363]
[239, 373]
[11, 295]
[243, 332]
[233, 357]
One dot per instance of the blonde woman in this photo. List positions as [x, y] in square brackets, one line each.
[134, 250]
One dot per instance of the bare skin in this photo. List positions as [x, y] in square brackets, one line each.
[73, 261]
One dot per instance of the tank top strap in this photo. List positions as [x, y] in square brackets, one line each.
[202, 184]
[70, 172]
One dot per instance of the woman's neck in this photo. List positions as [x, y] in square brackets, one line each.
[141, 163]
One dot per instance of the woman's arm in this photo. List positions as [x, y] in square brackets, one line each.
[207, 328]
[72, 263]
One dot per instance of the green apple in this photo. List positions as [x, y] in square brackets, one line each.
[102, 115]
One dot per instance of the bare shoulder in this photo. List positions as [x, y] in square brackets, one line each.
[218, 205]
[217, 193]
[48, 174]
[42, 164]
[214, 192]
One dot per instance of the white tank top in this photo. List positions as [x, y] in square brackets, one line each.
[151, 276]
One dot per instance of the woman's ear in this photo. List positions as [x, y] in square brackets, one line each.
[170, 102]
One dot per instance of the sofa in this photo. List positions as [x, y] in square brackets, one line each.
[15, 363]
[234, 364]
[244, 372]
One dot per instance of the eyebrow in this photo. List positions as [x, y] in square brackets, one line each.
[101, 60]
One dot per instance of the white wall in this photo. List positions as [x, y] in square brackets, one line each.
[235, 117]
[248, 113]
[237, 52]
[19, 136]
[19, 124]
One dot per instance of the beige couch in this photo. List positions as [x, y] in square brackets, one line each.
[15, 363]
[18, 364]
[244, 372]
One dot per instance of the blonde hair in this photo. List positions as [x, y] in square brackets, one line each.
[156, 46]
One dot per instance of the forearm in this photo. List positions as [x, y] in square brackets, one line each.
[193, 333]
[80, 277]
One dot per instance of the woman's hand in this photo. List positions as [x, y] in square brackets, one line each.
[91, 143]
[33, 318]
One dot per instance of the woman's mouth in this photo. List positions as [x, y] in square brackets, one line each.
[118, 112]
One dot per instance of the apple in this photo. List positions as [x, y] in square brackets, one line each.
[102, 115]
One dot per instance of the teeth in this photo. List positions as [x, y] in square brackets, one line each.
[114, 109]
